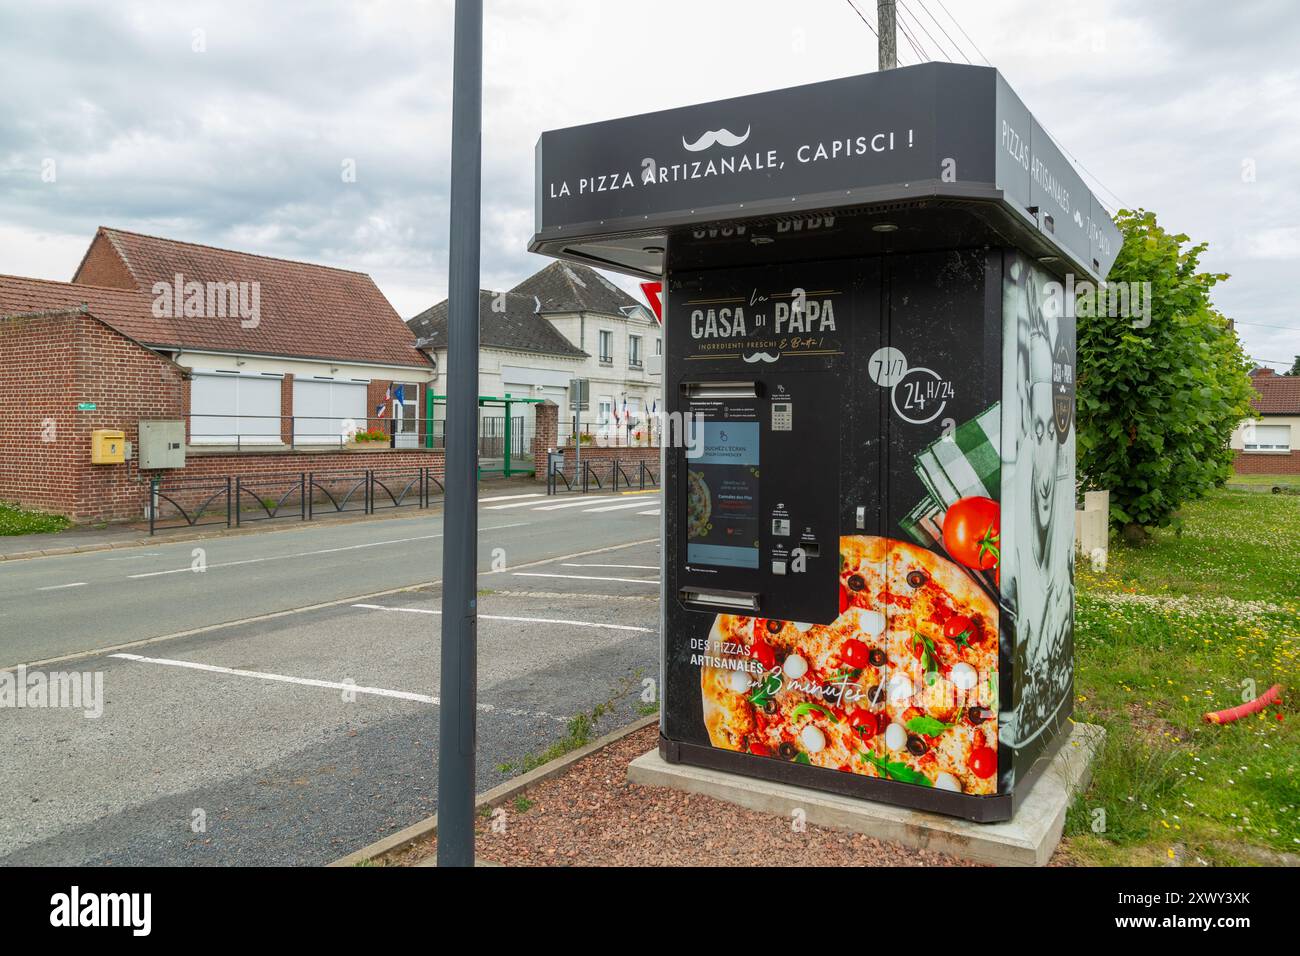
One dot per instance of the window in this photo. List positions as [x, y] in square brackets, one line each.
[1267, 437]
[606, 347]
[234, 408]
[634, 351]
[606, 411]
[659, 346]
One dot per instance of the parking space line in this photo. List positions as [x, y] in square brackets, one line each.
[307, 554]
[60, 587]
[652, 512]
[583, 577]
[630, 567]
[531, 494]
[510, 617]
[577, 504]
[325, 684]
[535, 505]
[621, 507]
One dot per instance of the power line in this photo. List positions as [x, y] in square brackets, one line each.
[912, 41]
[862, 18]
[916, 23]
[872, 28]
[965, 34]
[1262, 325]
[960, 51]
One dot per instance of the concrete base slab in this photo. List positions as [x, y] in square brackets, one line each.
[1027, 840]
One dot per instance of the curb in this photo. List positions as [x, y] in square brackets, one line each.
[165, 538]
[494, 797]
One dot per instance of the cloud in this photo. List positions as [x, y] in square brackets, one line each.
[231, 122]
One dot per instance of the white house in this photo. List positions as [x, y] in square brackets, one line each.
[562, 323]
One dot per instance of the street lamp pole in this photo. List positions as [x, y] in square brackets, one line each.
[459, 682]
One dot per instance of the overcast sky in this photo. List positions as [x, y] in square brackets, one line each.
[230, 123]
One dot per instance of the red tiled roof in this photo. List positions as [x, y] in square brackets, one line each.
[127, 312]
[306, 310]
[1276, 394]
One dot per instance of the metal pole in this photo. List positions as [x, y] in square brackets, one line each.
[458, 688]
[886, 18]
[505, 461]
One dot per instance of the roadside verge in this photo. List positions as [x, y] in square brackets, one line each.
[493, 798]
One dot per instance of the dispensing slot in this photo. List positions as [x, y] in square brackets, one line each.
[703, 391]
[737, 600]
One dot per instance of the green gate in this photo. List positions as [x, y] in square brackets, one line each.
[506, 403]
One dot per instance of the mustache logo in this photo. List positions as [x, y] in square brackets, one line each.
[761, 357]
[713, 136]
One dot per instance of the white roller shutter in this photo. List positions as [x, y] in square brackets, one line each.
[323, 408]
[228, 408]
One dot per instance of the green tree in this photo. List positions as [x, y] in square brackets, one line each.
[1295, 368]
[1157, 401]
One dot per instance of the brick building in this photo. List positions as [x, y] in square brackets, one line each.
[271, 365]
[1269, 442]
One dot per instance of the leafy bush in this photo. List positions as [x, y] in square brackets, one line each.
[374, 434]
[1157, 404]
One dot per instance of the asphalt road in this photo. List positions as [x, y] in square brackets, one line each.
[297, 737]
[56, 606]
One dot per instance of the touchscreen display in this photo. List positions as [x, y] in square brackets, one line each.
[722, 513]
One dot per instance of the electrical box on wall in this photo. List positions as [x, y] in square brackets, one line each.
[107, 446]
[162, 444]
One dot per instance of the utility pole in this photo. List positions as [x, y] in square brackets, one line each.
[458, 689]
[886, 19]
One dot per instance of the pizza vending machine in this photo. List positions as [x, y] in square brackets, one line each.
[868, 393]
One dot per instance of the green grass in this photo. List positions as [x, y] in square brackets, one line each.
[523, 804]
[1266, 481]
[577, 734]
[580, 730]
[16, 520]
[1188, 623]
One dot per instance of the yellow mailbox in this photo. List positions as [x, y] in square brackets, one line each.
[107, 446]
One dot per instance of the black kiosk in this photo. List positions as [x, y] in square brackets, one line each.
[869, 435]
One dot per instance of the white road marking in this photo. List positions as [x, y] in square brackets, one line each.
[582, 577]
[60, 587]
[509, 617]
[577, 504]
[631, 567]
[653, 512]
[534, 504]
[623, 507]
[307, 554]
[533, 494]
[320, 606]
[326, 684]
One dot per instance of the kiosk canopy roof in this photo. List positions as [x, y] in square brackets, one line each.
[611, 193]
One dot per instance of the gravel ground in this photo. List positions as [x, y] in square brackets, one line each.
[591, 816]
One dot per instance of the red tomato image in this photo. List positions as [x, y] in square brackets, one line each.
[972, 532]
[855, 653]
[983, 762]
